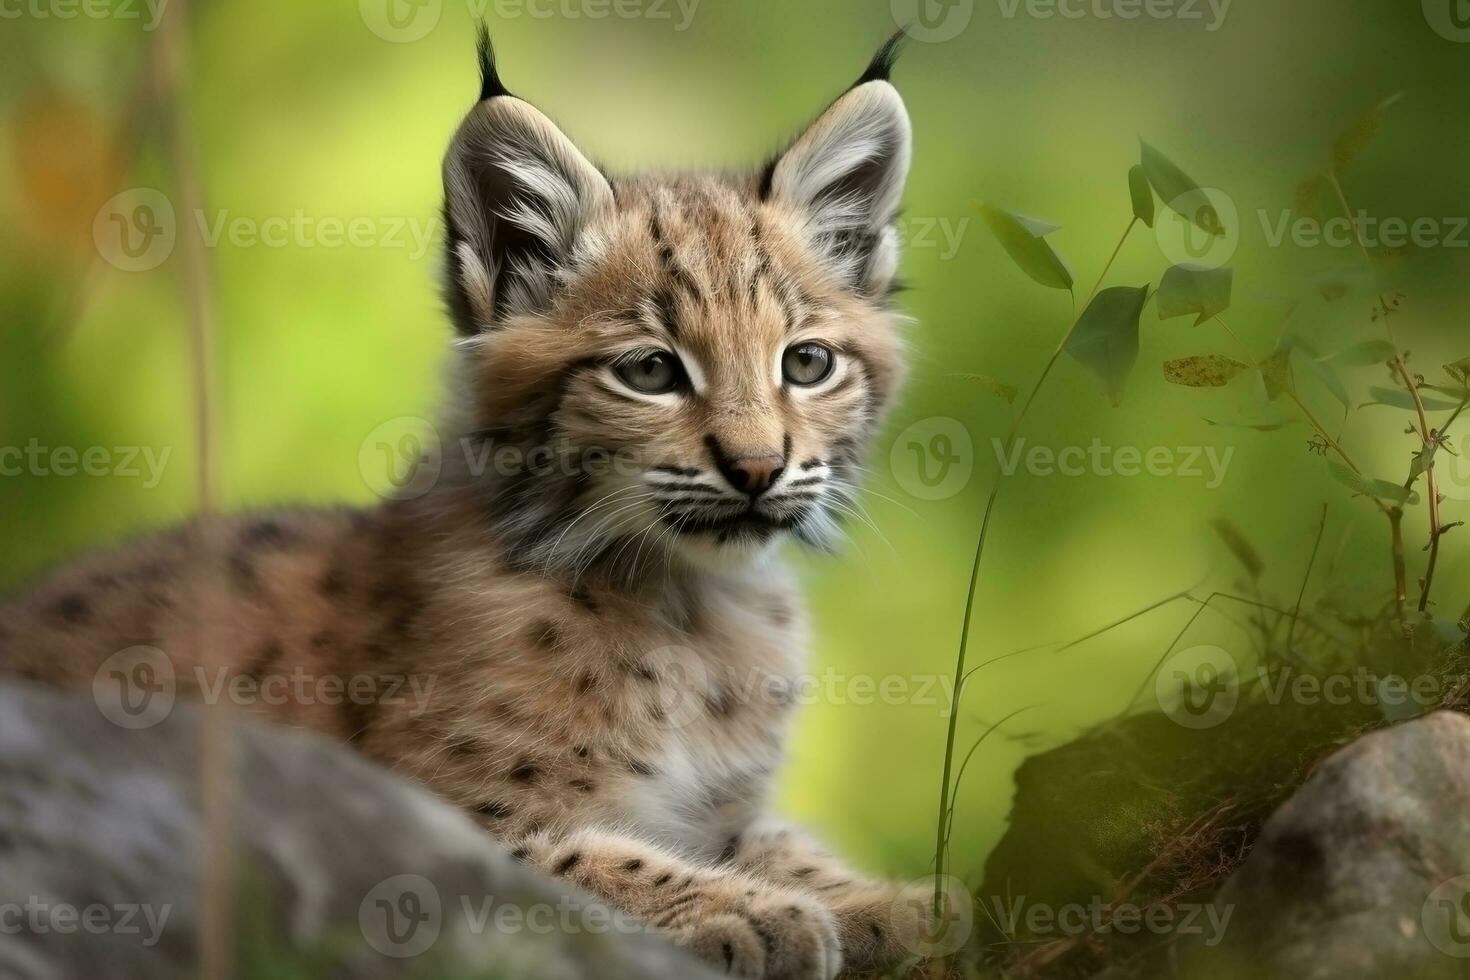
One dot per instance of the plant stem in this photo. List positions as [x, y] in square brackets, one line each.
[1316, 425]
[1302, 595]
[941, 834]
[216, 921]
[1400, 565]
[1431, 438]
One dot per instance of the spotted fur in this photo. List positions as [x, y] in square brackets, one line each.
[594, 645]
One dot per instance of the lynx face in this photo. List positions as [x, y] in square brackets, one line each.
[706, 358]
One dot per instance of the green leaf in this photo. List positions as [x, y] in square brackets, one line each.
[1423, 461]
[1381, 489]
[1105, 340]
[1460, 371]
[1024, 240]
[1330, 379]
[1203, 371]
[1459, 394]
[1351, 144]
[1179, 192]
[1006, 393]
[1366, 354]
[1186, 290]
[1400, 398]
[1143, 195]
[1276, 372]
[1259, 425]
[1240, 546]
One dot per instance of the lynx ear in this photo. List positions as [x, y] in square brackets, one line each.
[518, 196]
[847, 172]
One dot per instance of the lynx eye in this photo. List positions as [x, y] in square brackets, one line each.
[808, 364]
[651, 373]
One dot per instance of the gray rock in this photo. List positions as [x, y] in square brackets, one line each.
[1365, 872]
[344, 869]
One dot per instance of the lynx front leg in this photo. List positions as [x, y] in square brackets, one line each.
[739, 924]
[880, 924]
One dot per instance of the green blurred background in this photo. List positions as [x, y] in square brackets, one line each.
[327, 111]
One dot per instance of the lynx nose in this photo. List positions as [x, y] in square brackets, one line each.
[752, 474]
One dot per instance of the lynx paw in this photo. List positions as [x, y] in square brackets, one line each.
[886, 925]
[773, 936]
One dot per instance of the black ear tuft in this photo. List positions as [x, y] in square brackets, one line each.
[490, 84]
[881, 67]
